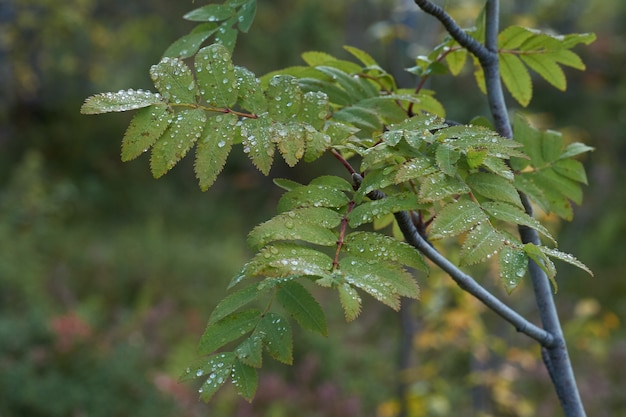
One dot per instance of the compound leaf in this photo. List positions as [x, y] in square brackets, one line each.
[299, 302]
[145, 128]
[179, 137]
[213, 148]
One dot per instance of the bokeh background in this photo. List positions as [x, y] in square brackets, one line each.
[107, 276]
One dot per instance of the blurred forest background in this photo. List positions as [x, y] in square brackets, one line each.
[107, 276]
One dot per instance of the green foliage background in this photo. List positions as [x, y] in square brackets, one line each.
[106, 283]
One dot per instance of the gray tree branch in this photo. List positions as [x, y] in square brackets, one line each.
[555, 355]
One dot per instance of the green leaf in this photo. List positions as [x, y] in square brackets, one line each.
[456, 218]
[513, 265]
[551, 145]
[509, 213]
[383, 281]
[314, 58]
[213, 148]
[216, 76]
[363, 118]
[313, 195]
[218, 369]
[209, 13]
[316, 144]
[362, 56]
[286, 184]
[438, 186]
[284, 98]
[123, 100]
[256, 138]
[174, 80]
[379, 247]
[417, 167]
[250, 351]
[547, 68]
[356, 87]
[332, 181]
[447, 159]
[568, 58]
[350, 301]
[565, 257]
[374, 180]
[456, 60]
[493, 187]
[233, 302]
[542, 260]
[250, 95]
[245, 379]
[245, 17]
[481, 243]
[498, 167]
[368, 211]
[574, 149]
[278, 339]
[281, 260]
[315, 109]
[335, 94]
[299, 302]
[179, 137]
[226, 330]
[310, 224]
[572, 169]
[290, 140]
[544, 194]
[516, 78]
[227, 34]
[188, 45]
[513, 37]
[531, 138]
[145, 128]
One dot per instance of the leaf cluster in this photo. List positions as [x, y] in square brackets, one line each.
[456, 181]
